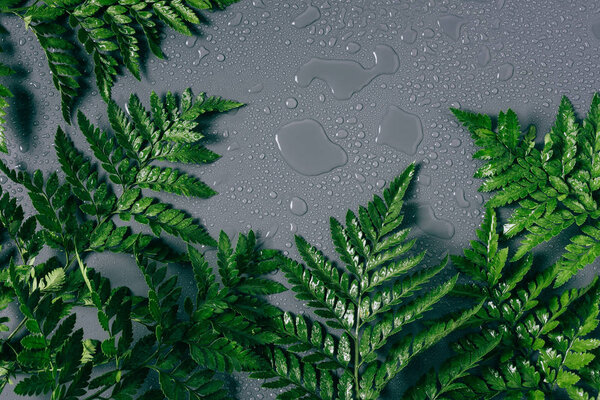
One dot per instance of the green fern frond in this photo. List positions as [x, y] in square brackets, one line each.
[109, 32]
[5, 93]
[435, 385]
[539, 341]
[375, 298]
[553, 188]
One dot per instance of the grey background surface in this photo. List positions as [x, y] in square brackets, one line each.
[483, 55]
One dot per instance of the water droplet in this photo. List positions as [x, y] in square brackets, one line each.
[505, 72]
[235, 20]
[191, 41]
[202, 52]
[305, 146]
[346, 77]
[220, 57]
[256, 88]
[298, 206]
[459, 195]
[596, 29]
[360, 177]
[233, 146]
[424, 179]
[400, 130]
[352, 47]
[342, 133]
[307, 17]
[291, 102]
[258, 4]
[484, 56]
[432, 225]
[3, 180]
[271, 232]
[455, 143]
[409, 36]
[428, 33]
[451, 25]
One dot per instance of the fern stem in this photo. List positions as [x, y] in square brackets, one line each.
[98, 393]
[83, 270]
[357, 363]
[17, 329]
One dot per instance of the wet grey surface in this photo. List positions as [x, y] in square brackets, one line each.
[371, 81]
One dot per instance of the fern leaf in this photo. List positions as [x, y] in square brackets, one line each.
[583, 250]
[4, 94]
[172, 181]
[372, 299]
[109, 33]
[554, 186]
[435, 385]
[205, 105]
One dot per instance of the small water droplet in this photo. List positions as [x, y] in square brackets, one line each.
[233, 146]
[484, 56]
[342, 133]
[409, 36]
[432, 225]
[352, 47]
[428, 33]
[424, 179]
[256, 88]
[202, 52]
[451, 25]
[459, 195]
[291, 102]
[235, 20]
[220, 57]
[310, 15]
[298, 206]
[505, 72]
[191, 41]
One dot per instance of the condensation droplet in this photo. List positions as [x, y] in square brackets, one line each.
[256, 88]
[459, 195]
[451, 25]
[291, 102]
[352, 47]
[432, 225]
[310, 15]
[191, 41]
[235, 20]
[298, 206]
[505, 72]
[484, 56]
